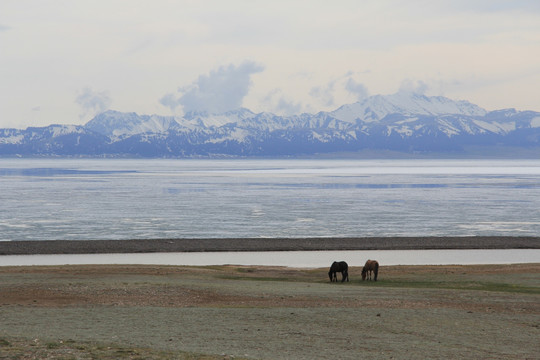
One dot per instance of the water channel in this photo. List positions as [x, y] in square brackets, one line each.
[301, 259]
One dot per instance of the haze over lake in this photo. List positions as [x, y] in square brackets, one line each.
[50, 199]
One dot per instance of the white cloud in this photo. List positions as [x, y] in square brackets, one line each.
[413, 86]
[324, 94]
[278, 103]
[219, 91]
[359, 90]
[92, 103]
[338, 88]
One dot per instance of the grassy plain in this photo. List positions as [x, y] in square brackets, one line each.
[225, 312]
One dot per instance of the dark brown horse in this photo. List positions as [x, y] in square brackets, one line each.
[341, 267]
[371, 267]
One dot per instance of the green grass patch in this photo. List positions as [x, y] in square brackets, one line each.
[52, 345]
[456, 285]
[255, 278]
[433, 282]
[17, 348]
[415, 282]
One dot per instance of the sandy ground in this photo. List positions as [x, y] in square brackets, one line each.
[223, 312]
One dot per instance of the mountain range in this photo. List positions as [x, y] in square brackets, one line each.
[406, 123]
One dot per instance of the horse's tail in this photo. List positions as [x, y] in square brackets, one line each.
[376, 271]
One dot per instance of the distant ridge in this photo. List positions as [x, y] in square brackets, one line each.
[406, 123]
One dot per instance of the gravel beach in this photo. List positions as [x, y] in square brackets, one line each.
[264, 244]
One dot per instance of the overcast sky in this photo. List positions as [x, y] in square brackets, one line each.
[65, 61]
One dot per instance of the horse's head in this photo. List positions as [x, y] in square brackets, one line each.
[364, 272]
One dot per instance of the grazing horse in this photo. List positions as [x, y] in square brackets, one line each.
[371, 267]
[341, 267]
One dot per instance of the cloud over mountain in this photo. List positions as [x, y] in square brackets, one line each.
[219, 91]
[357, 89]
[92, 102]
[280, 104]
[415, 87]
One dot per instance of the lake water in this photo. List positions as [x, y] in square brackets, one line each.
[48, 199]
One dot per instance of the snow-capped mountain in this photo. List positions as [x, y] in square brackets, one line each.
[118, 125]
[376, 107]
[408, 123]
[64, 140]
[208, 120]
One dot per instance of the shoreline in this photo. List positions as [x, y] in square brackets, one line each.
[46, 247]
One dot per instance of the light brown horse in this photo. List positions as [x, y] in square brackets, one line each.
[371, 267]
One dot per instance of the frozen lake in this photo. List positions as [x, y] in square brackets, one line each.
[87, 199]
